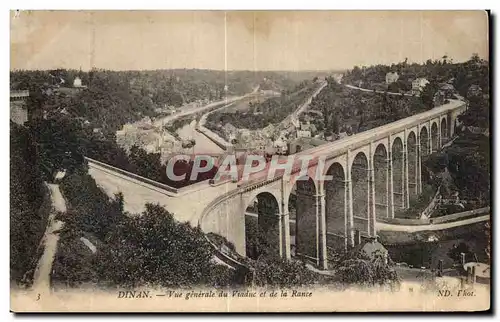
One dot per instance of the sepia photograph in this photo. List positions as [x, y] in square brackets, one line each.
[250, 161]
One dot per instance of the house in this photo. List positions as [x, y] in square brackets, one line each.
[474, 90]
[372, 249]
[391, 77]
[338, 78]
[305, 130]
[418, 85]
[77, 82]
[303, 134]
[281, 146]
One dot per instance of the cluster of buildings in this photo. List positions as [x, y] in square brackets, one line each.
[272, 140]
[417, 85]
[18, 98]
[445, 90]
[151, 138]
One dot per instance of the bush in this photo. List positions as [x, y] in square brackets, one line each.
[155, 249]
[361, 270]
[270, 271]
[219, 240]
[90, 207]
[74, 262]
[417, 205]
[29, 204]
[274, 109]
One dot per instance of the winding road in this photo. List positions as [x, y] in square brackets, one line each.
[41, 279]
[376, 91]
[441, 226]
[294, 117]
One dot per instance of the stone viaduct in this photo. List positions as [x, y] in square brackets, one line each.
[374, 174]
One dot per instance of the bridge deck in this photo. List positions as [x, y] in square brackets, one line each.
[382, 131]
[354, 141]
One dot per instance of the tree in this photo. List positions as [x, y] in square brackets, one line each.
[393, 87]
[120, 201]
[427, 94]
[154, 249]
[59, 144]
[445, 57]
[359, 268]
[271, 271]
[29, 203]
[91, 210]
[475, 58]
[335, 124]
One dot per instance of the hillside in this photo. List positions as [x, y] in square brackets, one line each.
[110, 99]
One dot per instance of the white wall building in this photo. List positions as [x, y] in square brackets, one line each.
[418, 85]
[77, 82]
[391, 77]
[281, 146]
[303, 134]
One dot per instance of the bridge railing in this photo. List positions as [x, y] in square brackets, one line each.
[165, 188]
[354, 141]
[358, 139]
[134, 176]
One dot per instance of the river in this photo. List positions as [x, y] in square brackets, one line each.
[203, 144]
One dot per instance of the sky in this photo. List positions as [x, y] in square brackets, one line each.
[241, 40]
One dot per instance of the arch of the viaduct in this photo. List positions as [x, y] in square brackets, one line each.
[371, 178]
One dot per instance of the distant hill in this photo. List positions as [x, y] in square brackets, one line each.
[110, 99]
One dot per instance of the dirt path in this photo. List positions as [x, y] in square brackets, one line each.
[41, 279]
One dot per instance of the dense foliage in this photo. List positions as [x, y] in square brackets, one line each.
[29, 202]
[271, 271]
[470, 79]
[353, 111]
[90, 209]
[469, 164]
[113, 98]
[155, 249]
[59, 144]
[463, 75]
[270, 111]
[134, 250]
[145, 164]
[418, 203]
[366, 269]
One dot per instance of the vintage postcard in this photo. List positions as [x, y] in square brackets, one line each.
[249, 161]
